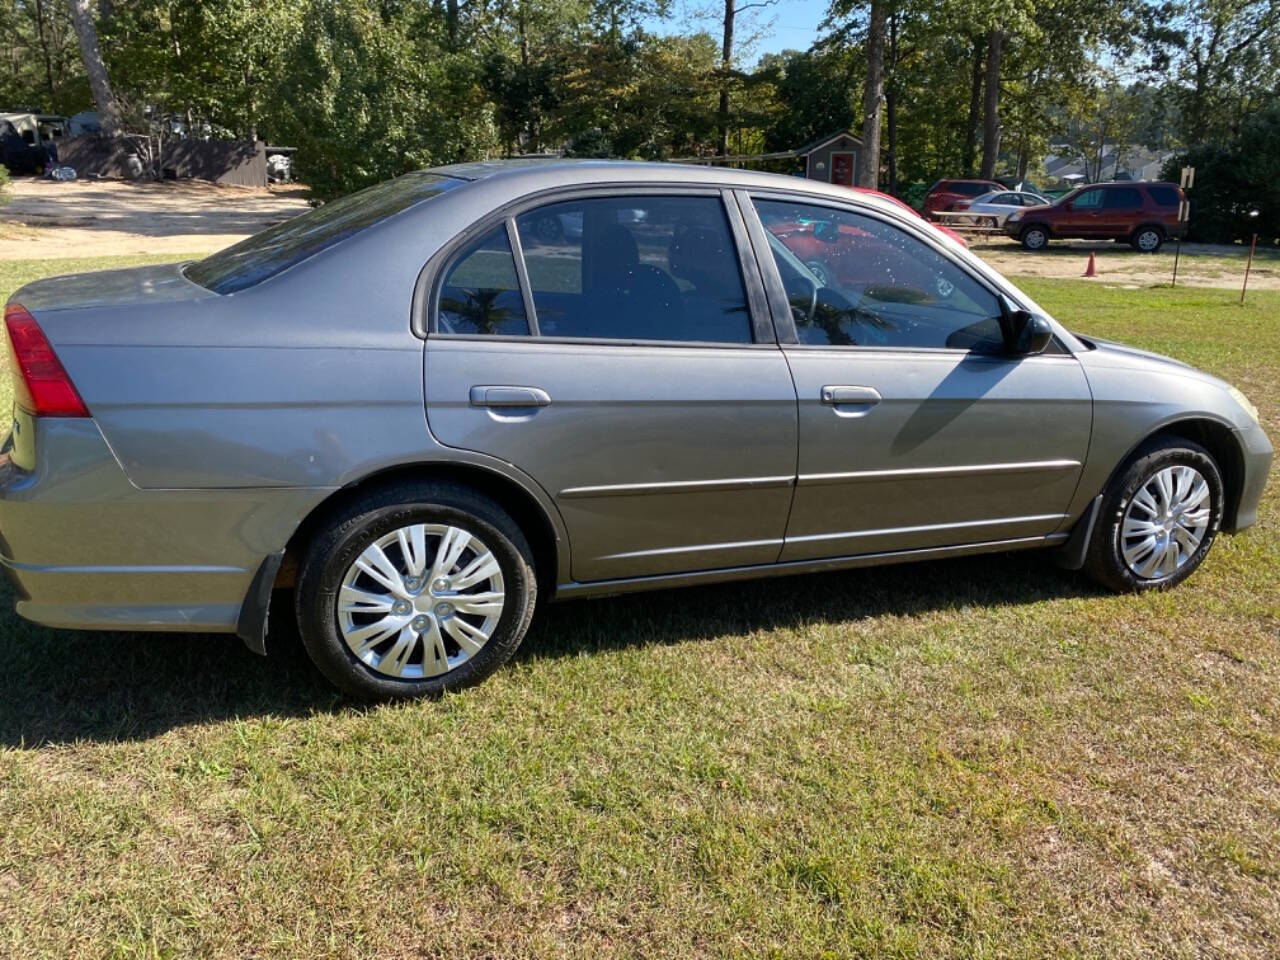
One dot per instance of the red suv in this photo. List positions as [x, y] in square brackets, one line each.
[1145, 214]
[944, 194]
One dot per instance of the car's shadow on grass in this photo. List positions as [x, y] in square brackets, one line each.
[64, 686]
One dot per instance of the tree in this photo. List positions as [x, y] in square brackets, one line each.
[814, 90]
[99, 83]
[731, 10]
[873, 97]
[991, 104]
[1224, 56]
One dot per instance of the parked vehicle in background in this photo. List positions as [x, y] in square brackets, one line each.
[907, 207]
[27, 142]
[421, 415]
[990, 209]
[1143, 213]
[945, 194]
[1022, 186]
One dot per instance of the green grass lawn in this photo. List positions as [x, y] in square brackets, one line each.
[975, 758]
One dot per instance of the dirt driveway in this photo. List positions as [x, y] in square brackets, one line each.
[92, 218]
[1200, 265]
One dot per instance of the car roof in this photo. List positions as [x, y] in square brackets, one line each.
[526, 175]
[1131, 183]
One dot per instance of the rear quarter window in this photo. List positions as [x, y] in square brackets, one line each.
[278, 248]
[1164, 196]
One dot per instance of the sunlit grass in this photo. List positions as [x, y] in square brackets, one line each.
[976, 758]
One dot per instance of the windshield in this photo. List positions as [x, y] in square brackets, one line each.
[278, 248]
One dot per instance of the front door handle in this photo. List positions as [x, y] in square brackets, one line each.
[498, 396]
[850, 396]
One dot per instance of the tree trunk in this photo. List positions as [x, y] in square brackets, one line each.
[891, 105]
[99, 84]
[991, 111]
[44, 49]
[726, 63]
[872, 95]
[969, 158]
[451, 23]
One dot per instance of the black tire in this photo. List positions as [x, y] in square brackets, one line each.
[383, 511]
[1105, 561]
[1147, 239]
[1034, 237]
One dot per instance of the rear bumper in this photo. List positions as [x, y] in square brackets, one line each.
[1257, 455]
[87, 549]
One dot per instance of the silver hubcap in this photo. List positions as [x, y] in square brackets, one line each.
[1035, 238]
[1165, 522]
[420, 601]
[1147, 240]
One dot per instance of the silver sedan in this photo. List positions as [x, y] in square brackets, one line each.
[997, 205]
[406, 417]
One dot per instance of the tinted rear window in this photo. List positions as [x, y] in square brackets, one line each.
[970, 189]
[1164, 196]
[278, 248]
[1122, 198]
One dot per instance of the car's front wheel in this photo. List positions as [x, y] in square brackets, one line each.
[1035, 238]
[415, 589]
[1158, 517]
[1147, 239]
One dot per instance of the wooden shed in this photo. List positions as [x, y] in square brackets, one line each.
[832, 159]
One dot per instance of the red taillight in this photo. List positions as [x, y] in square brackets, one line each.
[40, 384]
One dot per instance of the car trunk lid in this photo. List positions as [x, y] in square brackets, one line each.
[136, 285]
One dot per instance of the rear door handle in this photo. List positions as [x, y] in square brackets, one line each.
[850, 396]
[501, 396]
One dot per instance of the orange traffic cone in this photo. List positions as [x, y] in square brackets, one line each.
[1092, 269]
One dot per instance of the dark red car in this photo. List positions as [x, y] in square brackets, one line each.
[944, 194]
[1143, 213]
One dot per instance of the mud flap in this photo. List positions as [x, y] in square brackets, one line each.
[251, 625]
[1070, 556]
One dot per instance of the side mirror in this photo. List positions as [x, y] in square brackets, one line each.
[1025, 333]
[1035, 335]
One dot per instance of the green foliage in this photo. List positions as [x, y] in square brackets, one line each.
[818, 88]
[371, 88]
[1233, 179]
[4, 185]
[363, 98]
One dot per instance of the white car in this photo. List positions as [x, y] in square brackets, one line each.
[999, 204]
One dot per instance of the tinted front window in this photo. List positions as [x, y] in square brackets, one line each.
[1164, 196]
[278, 248]
[853, 280]
[635, 268]
[1123, 198]
[481, 294]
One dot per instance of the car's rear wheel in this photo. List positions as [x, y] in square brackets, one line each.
[1147, 239]
[415, 589]
[1158, 518]
[1034, 238]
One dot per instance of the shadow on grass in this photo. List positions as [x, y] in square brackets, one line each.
[64, 686]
